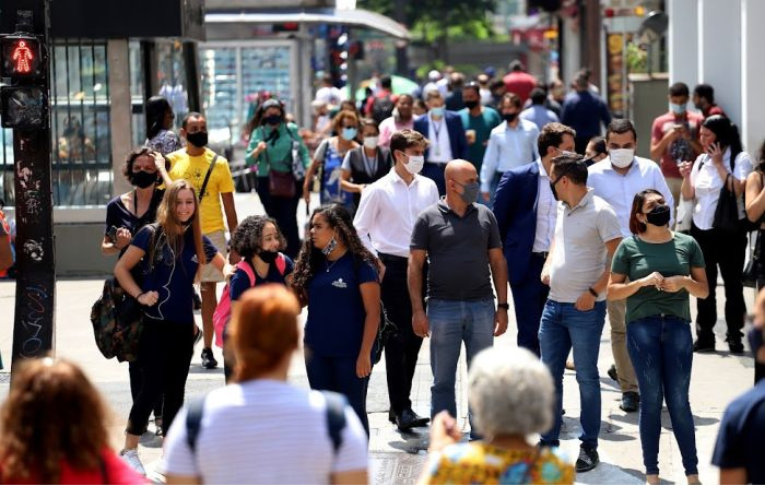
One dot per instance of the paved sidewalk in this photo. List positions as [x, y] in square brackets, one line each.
[397, 458]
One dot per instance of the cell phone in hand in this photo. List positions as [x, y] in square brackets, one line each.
[111, 234]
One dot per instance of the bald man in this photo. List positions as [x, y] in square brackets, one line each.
[461, 239]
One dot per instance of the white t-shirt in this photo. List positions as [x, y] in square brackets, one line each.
[265, 431]
[707, 185]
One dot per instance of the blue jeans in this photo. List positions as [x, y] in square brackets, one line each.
[661, 350]
[451, 323]
[564, 327]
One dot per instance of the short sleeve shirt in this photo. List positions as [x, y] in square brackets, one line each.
[482, 125]
[479, 462]
[119, 216]
[579, 251]
[637, 259]
[171, 275]
[240, 282]
[165, 142]
[707, 185]
[458, 250]
[336, 314]
[680, 149]
[194, 170]
[739, 441]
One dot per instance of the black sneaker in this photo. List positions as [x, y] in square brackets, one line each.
[612, 373]
[588, 459]
[630, 402]
[736, 347]
[704, 345]
[208, 361]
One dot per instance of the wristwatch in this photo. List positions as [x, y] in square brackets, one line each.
[593, 292]
[504, 306]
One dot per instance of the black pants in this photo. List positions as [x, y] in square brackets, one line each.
[284, 211]
[728, 250]
[338, 374]
[165, 354]
[580, 144]
[402, 349]
[530, 296]
[136, 383]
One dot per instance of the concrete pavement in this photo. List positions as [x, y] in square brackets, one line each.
[396, 457]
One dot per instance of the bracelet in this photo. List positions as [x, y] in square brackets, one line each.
[593, 292]
[140, 295]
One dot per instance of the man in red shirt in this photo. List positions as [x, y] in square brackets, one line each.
[674, 137]
[704, 100]
[518, 81]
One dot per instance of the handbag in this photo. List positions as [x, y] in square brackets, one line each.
[282, 184]
[753, 269]
[385, 331]
[726, 213]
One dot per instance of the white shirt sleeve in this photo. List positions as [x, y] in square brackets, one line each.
[490, 162]
[352, 454]
[742, 166]
[661, 185]
[365, 217]
[179, 458]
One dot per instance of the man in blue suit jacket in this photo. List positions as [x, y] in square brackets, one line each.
[446, 134]
[526, 211]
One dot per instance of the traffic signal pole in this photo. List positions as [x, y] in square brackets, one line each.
[25, 107]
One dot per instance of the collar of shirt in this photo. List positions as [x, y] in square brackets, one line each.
[582, 203]
[396, 178]
[444, 207]
[542, 171]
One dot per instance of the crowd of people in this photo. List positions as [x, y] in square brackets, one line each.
[425, 222]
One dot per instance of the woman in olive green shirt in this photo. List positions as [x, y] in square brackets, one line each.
[275, 146]
[663, 268]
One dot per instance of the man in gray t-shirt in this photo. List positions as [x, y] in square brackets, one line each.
[461, 240]
[587, 234]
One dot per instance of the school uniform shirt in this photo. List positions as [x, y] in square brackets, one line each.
[336, 314]
[194, 170]
[240, 282]
[119, 216]
[172, 276]
[707, 184]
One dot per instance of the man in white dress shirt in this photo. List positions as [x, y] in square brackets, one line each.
[511, 144]
[384, 220]
[617, 180]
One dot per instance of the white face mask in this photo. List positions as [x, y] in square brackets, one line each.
[622, 157]
[370, 141]
[416, 162]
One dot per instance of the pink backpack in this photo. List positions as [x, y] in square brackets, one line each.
[222, 314]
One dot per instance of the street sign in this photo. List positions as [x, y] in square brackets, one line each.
[21, 57]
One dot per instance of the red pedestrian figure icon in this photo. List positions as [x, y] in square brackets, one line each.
[22, 55]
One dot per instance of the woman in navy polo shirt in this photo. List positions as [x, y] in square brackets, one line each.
[336, 276]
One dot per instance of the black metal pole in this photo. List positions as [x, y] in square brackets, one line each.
[34, 323]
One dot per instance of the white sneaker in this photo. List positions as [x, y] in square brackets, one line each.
[131, 458]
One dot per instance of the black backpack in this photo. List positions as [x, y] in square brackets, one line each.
[382, 109]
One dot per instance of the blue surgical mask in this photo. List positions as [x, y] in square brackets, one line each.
[678, 109]
[438, 111]
[349, 133]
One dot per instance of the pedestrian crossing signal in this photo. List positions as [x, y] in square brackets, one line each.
[20, 57]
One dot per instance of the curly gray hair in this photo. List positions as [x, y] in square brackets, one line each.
[511, 393]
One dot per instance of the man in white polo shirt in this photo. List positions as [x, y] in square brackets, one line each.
[616, 180]
[587, 234]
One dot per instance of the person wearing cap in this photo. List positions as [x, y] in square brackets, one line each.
[433, 77]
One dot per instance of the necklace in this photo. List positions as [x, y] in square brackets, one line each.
[329, 266]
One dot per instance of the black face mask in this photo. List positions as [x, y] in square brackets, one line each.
[198, 139]
[755, 341]
[471, 104]
[659, 216]
[272, 120]
[509, 117]
[268, 257]
[553, 183]
[143, 179]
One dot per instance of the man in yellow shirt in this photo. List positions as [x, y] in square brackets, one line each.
[192, 164]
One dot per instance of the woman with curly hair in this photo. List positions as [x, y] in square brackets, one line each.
[259, 243]
[54, 429]
[337, 277]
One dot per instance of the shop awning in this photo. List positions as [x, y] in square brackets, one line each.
[354, 18]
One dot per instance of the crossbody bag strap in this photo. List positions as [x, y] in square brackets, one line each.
[207, 178]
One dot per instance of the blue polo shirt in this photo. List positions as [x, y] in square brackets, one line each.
[336, 314]
[171, 276]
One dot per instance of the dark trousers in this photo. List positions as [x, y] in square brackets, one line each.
[338, 374]
[136, 383]
[728, 251]
[529, 297]
[165, 354]
[284, 211]
[402, 349]
[759, 367]
[435, 172]
[580, 144]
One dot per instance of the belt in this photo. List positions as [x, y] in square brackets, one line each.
[390, 258]
[542, 254]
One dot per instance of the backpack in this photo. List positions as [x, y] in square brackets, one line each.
[336, 404]
[382, 109]
[222, 314]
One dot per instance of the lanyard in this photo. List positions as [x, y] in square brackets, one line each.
[369, 166]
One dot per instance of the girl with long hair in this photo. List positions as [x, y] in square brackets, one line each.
[755, 211]
[337, 277]
[159, 126]
[724, 163]
[169, 253]
[54, 429]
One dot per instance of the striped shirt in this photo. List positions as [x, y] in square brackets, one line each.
[265, 431]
